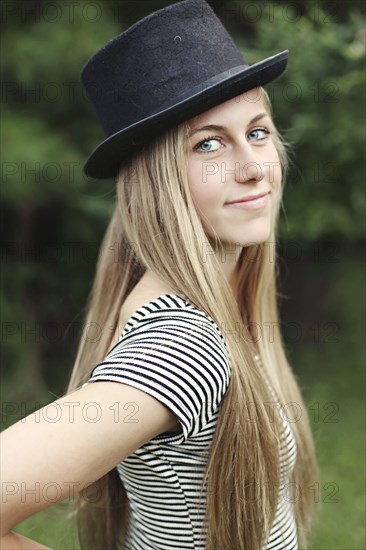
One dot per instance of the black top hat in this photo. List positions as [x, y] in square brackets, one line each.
[168, 67]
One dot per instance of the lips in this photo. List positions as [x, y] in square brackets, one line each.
[249, 198]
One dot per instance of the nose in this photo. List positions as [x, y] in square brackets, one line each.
[248, 168]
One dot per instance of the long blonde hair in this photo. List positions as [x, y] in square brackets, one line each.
[153, 199]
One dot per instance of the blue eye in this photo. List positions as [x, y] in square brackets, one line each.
[259, 133]
[202, 146]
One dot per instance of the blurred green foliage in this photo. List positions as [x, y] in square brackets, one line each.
[319, 104]
[54, 217]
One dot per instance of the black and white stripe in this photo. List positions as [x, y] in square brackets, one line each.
[176, 353]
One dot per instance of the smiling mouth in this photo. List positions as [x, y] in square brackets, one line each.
[250, 203]
[249, 198]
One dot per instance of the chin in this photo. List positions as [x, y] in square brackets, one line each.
[261, 235]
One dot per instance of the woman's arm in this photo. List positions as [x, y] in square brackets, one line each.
[14, 541]
[62, 448]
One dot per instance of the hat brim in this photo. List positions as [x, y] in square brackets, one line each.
[106, 159]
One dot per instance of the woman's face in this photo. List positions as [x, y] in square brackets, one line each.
[229, 161]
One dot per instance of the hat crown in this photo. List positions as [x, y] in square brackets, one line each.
[156, 60]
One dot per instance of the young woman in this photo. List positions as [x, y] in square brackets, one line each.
[196, 435]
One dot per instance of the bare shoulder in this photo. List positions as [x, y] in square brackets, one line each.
[148, 288]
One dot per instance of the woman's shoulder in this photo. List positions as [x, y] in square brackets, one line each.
[151, 300]
[148, 291]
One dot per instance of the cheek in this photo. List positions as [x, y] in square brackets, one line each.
[199, 185]
[193, 174]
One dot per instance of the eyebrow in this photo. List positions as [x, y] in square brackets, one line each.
[220, 128]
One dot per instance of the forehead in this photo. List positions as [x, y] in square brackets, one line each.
[244, 106]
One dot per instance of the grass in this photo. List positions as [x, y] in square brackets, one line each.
[334, 377]
[52, 527]
[341, 454]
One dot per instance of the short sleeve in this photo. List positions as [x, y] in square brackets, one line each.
[177, 357]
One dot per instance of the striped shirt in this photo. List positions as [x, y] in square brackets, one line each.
[175, 352]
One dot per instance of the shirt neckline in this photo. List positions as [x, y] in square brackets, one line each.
[141, 311]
